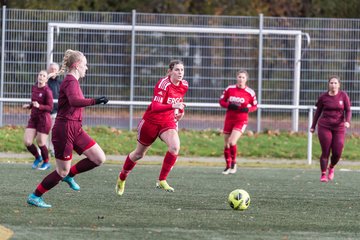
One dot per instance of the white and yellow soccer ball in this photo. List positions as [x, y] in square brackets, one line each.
[239, 199]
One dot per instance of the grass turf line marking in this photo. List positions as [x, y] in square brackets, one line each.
[5, 233]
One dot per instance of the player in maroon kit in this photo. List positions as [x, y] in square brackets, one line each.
[67, 132]
[160, 120]
[333, 114]
[239, 100]
[39, 124]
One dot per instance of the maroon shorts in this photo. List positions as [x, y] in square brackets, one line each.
[42, 123]
[229, 126]
[148, 132]
[68, 136]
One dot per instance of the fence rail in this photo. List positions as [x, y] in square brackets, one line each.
[309, 109]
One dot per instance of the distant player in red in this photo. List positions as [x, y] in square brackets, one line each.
[333, 115]
[239, 100]
[39, 123]
[67, 134]
[160, 120]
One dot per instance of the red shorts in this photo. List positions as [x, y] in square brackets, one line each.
[42, 123]
[148, 132]
[68, 136]
[229, 126]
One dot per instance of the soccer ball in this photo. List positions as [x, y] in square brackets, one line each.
[239, 199]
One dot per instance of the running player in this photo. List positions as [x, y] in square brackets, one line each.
[239, 100]
[333, 114]
[39, 123]
[68, 134]
[160, 120]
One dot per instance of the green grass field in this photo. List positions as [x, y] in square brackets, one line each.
[285, 204]
[207, 143]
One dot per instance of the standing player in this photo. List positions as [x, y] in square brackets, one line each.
[239, 100]
[39, 123]
[160, 120]
[334, 115]
[54, 84]
[68, 134]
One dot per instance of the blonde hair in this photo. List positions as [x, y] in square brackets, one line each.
[43, 70]
[70, 60]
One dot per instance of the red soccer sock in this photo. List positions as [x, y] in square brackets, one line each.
[47, 183]
[169, 162]
[33, 150]
[233, 153]
[227, 157]
[82, 166]
[44, 153]
[127, 167]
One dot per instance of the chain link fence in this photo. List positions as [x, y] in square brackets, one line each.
[211, 62]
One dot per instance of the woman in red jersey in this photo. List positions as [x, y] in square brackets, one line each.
[160, 120]
[39, 124]
[67, 133]
[239, 100]
[333, 114]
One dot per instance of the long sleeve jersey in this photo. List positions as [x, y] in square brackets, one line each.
[44, 97]
[165, 94]
[242, 97]
[332, 111]
[71, 100]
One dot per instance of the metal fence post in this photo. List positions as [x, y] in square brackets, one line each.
[259, 97]
[132, 69]
[50, 45]
[296, 89]
[2, 62]
[309, 139]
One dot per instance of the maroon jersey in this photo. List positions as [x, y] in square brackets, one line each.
[332, 111]
[242, 97]
[165, 94]
[71, 100]
[44, 97]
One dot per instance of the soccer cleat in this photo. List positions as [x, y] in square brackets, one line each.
[37, 201]
[226, 171]
[331, 173]
[72, 184]
[44, 166]
[323, 178]
[164, 185]
[36, 162]
[120, 187]
[233, 169]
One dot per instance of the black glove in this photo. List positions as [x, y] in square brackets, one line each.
[233, 106]
[244, 110]
[100, 100]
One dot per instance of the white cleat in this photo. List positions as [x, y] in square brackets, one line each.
[233, 169]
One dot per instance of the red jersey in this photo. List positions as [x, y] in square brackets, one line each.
[44, 97]
[71, 100]
[334, 110]
[243, 97]
[165, 94]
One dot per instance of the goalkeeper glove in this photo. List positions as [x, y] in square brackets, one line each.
[233, 106]
[100, 100]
